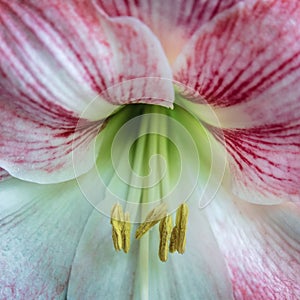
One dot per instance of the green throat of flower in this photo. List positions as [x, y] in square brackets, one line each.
[149, 162]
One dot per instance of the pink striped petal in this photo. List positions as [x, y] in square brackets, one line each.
[261, 245]
[173, 22]
[40, 226]
[246, 64]
[38, 145]
[55, 58]
[265, 162]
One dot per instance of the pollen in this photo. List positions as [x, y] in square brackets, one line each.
[170, 239]
[165, 229]
[178, 236]
[120, 228]
[126, 233]
[173, 240]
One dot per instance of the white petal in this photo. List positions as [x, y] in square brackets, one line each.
[40, 226]
[200, 273]
[101, 272]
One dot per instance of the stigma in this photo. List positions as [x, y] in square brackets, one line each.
[171, 239]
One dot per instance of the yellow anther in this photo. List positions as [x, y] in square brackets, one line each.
[120, 228]
[117, 222]
[152, 218]
[165, 229]
[178, 236]
[126, 233]
[181, 223]
[173, 240]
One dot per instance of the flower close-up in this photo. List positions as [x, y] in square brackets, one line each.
[150, 149]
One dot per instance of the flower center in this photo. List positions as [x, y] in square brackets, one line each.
[148, 160]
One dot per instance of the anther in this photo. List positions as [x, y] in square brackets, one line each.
[120, 228]
[126, 233]
[173, 240]
[183, 213]
[178, 236]
[165, 229]
[117, 226]
[152, 218]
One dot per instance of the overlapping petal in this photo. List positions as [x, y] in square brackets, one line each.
[56, 58]
[38, 146]
[100, 272]
[3, 174]
[246, 64]
[40, 226]
[261, 245]
[200, 273]
[50, 72]
[173, 22]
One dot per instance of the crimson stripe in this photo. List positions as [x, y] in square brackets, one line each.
[77, 54]
[261, 246]
[187, 17]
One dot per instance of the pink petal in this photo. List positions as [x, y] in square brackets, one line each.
[265, 162]
[55, 58]
[246, 63]
[38, 145]
[40, 226]
[173, 22]
[261, 245]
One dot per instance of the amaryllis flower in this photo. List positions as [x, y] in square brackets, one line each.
[118, 117]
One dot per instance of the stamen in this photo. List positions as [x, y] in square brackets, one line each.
[152, 218]
[120, 228]
[182, 214]
[173, 240]
[117, 222]
[165, 229]
[178, 236]
[126, 233]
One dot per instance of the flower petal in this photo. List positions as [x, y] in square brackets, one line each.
[40, 226]
[56, 58]
[200, 273]
[4, 175]
[39, 148]
[174, 22]
[98, 271]
[261, 245]
[265, 162]
[245, 63]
